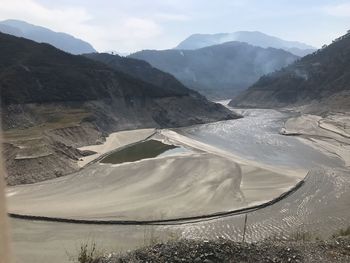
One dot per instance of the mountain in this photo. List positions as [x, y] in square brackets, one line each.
[218, 71]
[254, 38]
[40, 34]
[140, 69]
[53, 102]
[10, 30]
[320, 80]
[115, 52]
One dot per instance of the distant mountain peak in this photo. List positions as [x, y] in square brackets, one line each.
[255, 38]
[41, 34]
[220, 70]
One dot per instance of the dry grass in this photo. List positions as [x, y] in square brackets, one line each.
[87, 253]
[342, 232]
[151, 237]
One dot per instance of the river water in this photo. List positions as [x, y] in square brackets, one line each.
[256, 137]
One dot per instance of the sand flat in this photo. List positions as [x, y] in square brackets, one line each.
[202, 181]
[160, 188]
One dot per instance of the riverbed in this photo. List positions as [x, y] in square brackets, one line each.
[227, 165]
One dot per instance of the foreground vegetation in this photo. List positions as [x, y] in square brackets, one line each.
[303, 248]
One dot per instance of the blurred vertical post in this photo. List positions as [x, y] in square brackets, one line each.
[5, 239]
[245, 226]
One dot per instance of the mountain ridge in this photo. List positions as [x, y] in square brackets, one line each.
[41, 34]
[255, 38]
[320, 80]
[218, 71]
[139, 69]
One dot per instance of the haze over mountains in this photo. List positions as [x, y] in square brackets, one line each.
[219, 71]
[40, 34]
[254, 38]
[321, 79]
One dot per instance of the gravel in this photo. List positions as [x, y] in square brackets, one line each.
[334, 250]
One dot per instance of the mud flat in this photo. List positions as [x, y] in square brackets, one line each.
[220, 170]
[330, 134]
[318, 209]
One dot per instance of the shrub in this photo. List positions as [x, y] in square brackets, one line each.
[88, 253]
[342, 232]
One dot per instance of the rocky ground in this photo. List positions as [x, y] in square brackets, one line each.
[334, 250]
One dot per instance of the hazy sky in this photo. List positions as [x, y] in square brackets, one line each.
[132, 25]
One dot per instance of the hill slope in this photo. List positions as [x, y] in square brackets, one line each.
[53, 102]
[254, 38]
[321, 79]
[219, 71]
[140, 69]
[40, 34]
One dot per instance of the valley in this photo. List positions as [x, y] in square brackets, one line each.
[215, 147]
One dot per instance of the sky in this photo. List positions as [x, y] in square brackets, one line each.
[132, 25]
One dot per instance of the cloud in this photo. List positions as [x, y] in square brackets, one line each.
[172, 17]
[125, 25]
[340, 10]
[140, 28]
[33, 12]
[122, 32]
[70, 20]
